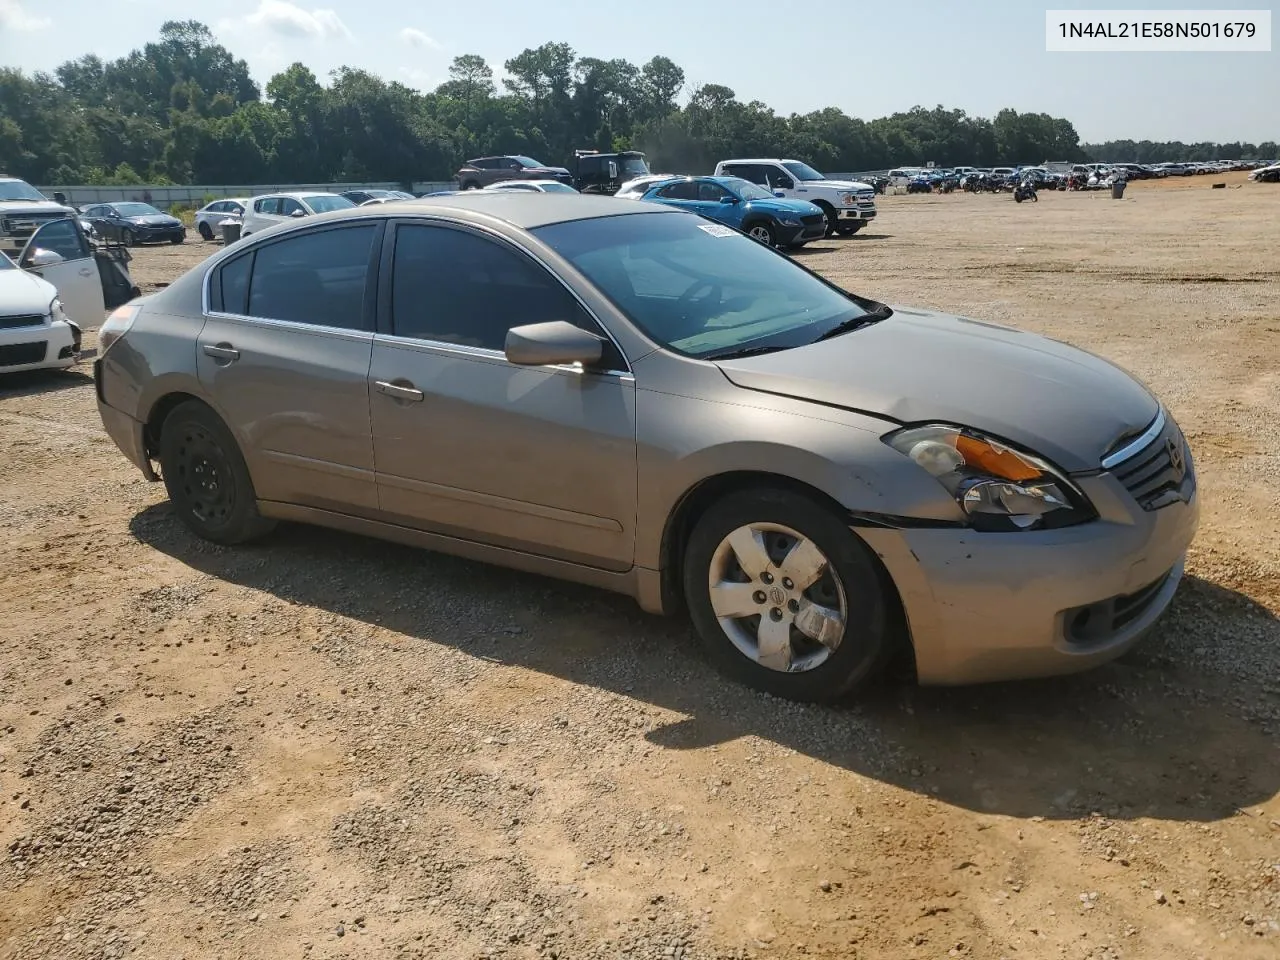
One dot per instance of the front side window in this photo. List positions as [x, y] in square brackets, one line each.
[748, 191]
[316, 278]
[700, 290]
[709, 192]
[802, 171]
[62, 237]
[453, 286]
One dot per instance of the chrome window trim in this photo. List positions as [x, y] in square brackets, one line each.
[295, 325]
[1138, 443]
[485, 353]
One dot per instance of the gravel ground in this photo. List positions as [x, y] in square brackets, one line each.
[323, 746]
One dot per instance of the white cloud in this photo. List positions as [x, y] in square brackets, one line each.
[290, 20]
[13, 16]
[416, 38]
[419, 79]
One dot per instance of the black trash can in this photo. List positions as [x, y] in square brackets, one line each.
[230, 231]
[1117, 190]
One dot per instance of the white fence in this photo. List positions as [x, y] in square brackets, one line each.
[199, 194]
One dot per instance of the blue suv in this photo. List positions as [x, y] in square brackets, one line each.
[744, 206]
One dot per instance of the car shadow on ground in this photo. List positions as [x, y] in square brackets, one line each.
[37, 382]
[1149, 736]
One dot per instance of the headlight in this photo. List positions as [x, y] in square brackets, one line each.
[56, 313]
[117, 325]
[848, 199]
[789, 221]
[999, 488]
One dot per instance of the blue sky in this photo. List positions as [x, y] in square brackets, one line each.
[867, 58]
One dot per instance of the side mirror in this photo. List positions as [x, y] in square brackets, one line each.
[298, 213]
[556, 342]
[613, 170]
[729, 198]
[41, 257]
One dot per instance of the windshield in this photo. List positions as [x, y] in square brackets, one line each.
[803, 171]
[701, 288]
[325, 204]
[747, 190]
[526, 161]
[6, 263]
[135, 209]
[17, 190]
[634, 166]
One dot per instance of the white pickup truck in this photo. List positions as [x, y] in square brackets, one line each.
[849, 204]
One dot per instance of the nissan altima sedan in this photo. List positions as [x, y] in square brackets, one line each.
[629, 396]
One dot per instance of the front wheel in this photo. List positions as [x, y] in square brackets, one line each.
[849, 229]
[206, 477]
[762, 232]
[178, 238]
[128, 238]
[784, 596]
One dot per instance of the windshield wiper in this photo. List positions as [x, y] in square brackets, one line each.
[734, 352]
[855, 323]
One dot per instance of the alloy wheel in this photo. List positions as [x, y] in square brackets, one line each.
[776, 597]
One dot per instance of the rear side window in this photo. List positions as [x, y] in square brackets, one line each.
[233, 284]
[455, 287]
[317, 278]
[269, 205]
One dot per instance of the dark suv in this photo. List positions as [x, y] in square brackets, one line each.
[483, 171]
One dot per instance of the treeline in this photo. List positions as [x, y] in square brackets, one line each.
[1150, 151]
[184, 109]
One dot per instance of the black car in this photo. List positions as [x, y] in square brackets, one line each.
[131, 222]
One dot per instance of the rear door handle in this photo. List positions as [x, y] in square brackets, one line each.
[222, 351]
[401, 391]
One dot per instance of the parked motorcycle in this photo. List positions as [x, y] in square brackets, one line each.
[1025, 190]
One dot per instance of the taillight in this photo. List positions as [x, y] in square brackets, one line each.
[116, 326]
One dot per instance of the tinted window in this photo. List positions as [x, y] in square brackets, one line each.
[268, 205]
[289, 206]
[62, 237]
[698, 288]
[456, 287]
[711, 192]
[682, 190]
[233, 284]
[317, 278]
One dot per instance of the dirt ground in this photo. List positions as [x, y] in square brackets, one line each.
[324, 747]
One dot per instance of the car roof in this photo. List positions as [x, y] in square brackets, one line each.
[297, 194]
[504, 183]
[756, 160]
[524, 209]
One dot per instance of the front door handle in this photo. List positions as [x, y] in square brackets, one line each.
[86, 272]
[401, 391]
[222, 351]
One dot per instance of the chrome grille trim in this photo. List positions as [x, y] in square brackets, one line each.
[1137, 444]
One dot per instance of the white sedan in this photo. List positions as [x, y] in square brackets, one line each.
[56, 289]
[532, 186]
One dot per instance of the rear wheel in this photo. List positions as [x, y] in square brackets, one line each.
[785, 597]
[763, 232]
[206, 231]
[206, 476]
[471, 185]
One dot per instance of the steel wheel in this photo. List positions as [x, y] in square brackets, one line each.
[204, 475]
[775, 596]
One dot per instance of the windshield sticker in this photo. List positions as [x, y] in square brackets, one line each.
[718, 229]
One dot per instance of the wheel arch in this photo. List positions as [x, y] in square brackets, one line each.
[697, 499]
[153, 426]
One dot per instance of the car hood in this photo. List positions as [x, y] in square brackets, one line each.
[156, 220]
[24, 293]
[18, 207]
[838, 184]
[920, 366]
[563, 170]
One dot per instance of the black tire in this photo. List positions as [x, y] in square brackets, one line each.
[471, 185]
[128, 237]
[178, 238]
[762, 232]
[849, 229]
[196, 451]
[833, 218]
[206, 231]
[859, 659]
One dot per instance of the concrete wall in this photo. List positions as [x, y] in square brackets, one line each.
[195, 195]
